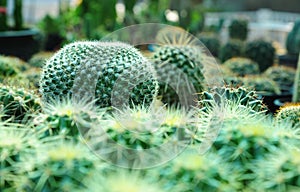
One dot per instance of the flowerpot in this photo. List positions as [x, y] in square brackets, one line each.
[288, 60]
[22, 44]
[269, 100]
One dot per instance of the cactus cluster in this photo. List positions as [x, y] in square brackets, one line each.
[261, 52]
[18, 103]
[282, 75]
[293, 39]
[240, 66]
[238, 29]
[233, 48]
[100, 69]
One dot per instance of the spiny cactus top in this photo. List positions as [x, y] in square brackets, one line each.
[99, 69]
[242, 66]
[290, 112]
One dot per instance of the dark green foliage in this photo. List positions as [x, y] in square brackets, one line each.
[18, 103]
[240, 66]
[96, 66]
[3, 16]
[18, 14]
[238, 29]
[233, 48]
[261, 52]
[211, 42]
[293, 39]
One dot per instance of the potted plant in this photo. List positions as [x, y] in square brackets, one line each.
[19, 41]
[292, 46]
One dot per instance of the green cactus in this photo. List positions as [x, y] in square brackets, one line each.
[282, 75]
[212, 43]
[296, 91]
[18, 103]
[244, 97]
[293, 39]
[39, 59]
[33, 77]
[3, 16]
[58, 166]
[17, 142]
[238, 29]
[242, 66]
[193, 172]
[279, 171]
[18, 14]
[261, 84]
[261, 52]
[179, 67]
[289, 112]
[233, 48]
[98, 68]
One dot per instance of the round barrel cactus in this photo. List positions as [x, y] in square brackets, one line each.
[289, 112]
[106, 70]
[238, 29]
[233, 48]
[242, 66]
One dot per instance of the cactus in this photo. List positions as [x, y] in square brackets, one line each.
[261, 52]
[233, 48]
[289, 112]
[17, 142]
[296, 91]
[261, 84]
[3, 16]
[33, 77]
[282, 75]
[211, 42]
[242, 66]
[293, 39]
[59, 166]
[238, 29]
[279, 171]
[98, 68]
[241, 95]
[18, 14]
[18, 103]
[198, 173]
[179, 62]
[39, 59]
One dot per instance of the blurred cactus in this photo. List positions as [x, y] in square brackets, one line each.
[211, 42]
[290, 112]
[293, 39]
[296, 91]
[233, 48]
[3, 15]
[18, 14]
[242, 66]
[262, 85]
[238, 29]
[261, 52]
[283, 76]
[39, 59]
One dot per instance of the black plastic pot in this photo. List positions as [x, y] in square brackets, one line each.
[288, 60]
[22, 44]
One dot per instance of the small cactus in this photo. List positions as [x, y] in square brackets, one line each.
[261, 52]
[238, 29]
[39, 59]
[262, 85]
[242, 66]
[18, 103]
[100, 69]
[282, 75]
[293, 39]
[233, 48]
[290, 112]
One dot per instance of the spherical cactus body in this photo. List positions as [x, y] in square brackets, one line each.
[293, 39]
[39, 59]
[233, 48]
[261, 52]
[102, 69]
[290, 112]
[238, 29]
[242, 66]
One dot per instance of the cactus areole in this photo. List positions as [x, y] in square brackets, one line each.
[108, 71]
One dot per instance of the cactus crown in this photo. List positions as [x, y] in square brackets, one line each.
[100, 69]
[290, 112]
[242, 66]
